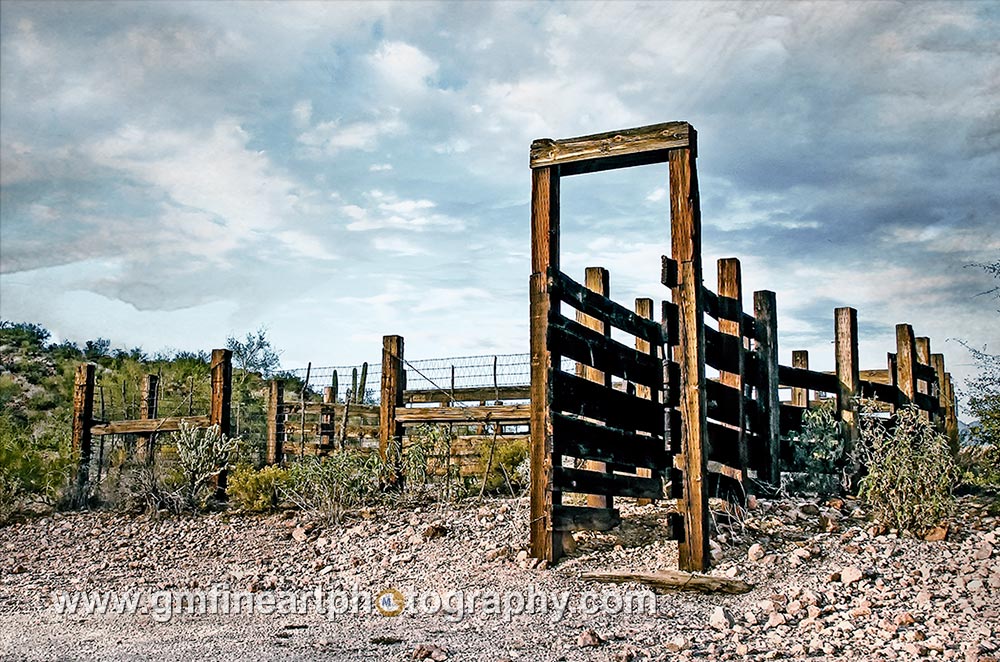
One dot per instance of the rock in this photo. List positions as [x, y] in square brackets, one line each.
[923, 598]
[299, 534]
[851, 575]
[809, 509]
[435, 530]
[430, 652]
[677, 644]
[721, 619]
[905, 618]
[775, 619]
[755, 553]
[937, 534]
[983, 551]
[522, 556]
[589, 638]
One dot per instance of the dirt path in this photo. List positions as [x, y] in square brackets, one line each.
[836, 594]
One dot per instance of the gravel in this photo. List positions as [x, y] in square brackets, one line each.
[827, 585]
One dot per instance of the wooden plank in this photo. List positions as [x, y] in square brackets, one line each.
[508, 414]
[685, 240]
[723, 443]
[545, 541]
[906, 378]
[392, 387]
[670, 323]
[724, 403]
[883, 392]
[83, 414]
[572, 340]
[769, 425]
[926, 402]
[723, 352]
[595, 305]
[275, 422]
[601, 483]
[879, 376]
[598, 281]
[616, 149]
[800, 359]
[807, 379]
[585, 440]
[644, 309]
[730, 284]
[790, 418]
[673, 580]
[574, 395]
[474, 394]
[583, 518]
[168, 424]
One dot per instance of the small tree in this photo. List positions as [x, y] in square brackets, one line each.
[253, 354]
[201, 455]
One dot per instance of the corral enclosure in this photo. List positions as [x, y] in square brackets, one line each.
[653, 399]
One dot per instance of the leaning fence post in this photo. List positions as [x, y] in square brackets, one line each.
[275, 422]
[222, 395]
[393, 385]
[730, 281]
[145, 447]
[848, 380]
[596, 279]
[765, 311]
[83, 413]
[644, 309]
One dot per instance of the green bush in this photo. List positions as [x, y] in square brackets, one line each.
[510, 454]
[202, 454]
[331, 486]
[30, 472]
[258, 489]
[818, 447]
[911, 472]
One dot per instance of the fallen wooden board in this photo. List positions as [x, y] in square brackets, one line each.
[674, 580]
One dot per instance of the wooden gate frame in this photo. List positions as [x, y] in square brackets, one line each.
[676, 144]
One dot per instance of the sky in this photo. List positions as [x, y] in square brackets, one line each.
[176, 172]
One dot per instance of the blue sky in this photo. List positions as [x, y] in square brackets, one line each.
[173, 173]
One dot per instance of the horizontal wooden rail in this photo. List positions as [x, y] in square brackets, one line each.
[589, 441]
[582, 481]
[595, 305]
[575, 395]
[726, 308]
[615, 149]
[473, 394]
[506, 414]
[573, 340]
[168, 424]
[883, 392]
[809, 379]
[722, 350]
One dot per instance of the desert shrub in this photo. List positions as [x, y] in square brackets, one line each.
[201, 455]
[818, 447]
[508, 457]
[257, 489]
[979, 466]
[30, 472]
[911, 472]
[329, 487]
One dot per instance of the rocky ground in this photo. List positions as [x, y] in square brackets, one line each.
[825, 585]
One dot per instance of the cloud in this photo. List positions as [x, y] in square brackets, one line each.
[386, 211]
[398, 246]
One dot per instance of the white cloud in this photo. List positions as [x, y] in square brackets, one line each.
[398, 246]
[329, 138]
[386, 211]
[302, 113]
[380, 167]
[403, 68]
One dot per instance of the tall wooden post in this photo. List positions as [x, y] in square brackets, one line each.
[222, 396]
[644, 309]
[800, 396]
[766, 313]
[327, 419]
[940, 392]
[596, 279]
[848, 379]
[145, 447]
[685, 240]
[906, 356]
[730, 281]
[276, 422]
[83, 414]
[393, 385]
[951, 414]
[546, 543]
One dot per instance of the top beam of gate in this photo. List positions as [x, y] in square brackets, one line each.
[616, 149]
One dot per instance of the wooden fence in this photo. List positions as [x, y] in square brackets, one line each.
[86, 427]
[684, 427]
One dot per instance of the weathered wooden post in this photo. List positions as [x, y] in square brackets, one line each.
[546, 543]
[906, 374]
[946, 409]
[393, 385]
[222, 396]
[644, 309]
[766, 313]
[83, 414]
[145, 448]
[848, 379]
[685, 240]
[596, 279]
[730, 281]
[276, 422]
[800, 396]
[327, 418]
